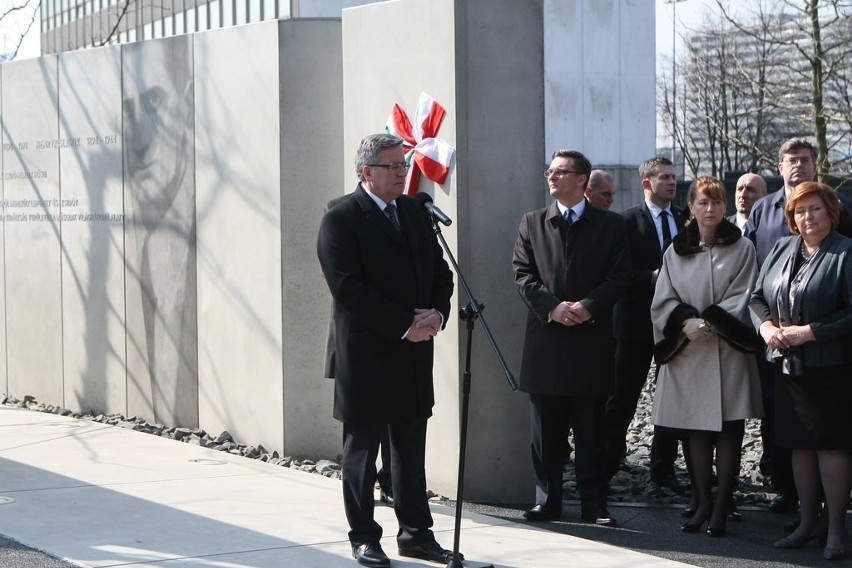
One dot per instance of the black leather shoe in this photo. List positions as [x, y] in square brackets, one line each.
[670, 482]
[600, 518]
[386, 497]
[371, 555]
[429, 550]
[540, 513]
[716, 531]
[783, 503]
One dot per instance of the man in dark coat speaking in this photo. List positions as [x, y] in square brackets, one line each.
[391, 289]
[571, 264]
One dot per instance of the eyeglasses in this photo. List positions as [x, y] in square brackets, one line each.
[395, 167]
[798, 160]
[559, 172]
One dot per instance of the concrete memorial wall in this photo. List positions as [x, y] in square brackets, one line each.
[160, 205]
[31, 223]
[482, 61]
[600, 86]
[92, 229]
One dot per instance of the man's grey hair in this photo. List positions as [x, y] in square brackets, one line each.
[597, 177]
[370, 148]
[794, 145]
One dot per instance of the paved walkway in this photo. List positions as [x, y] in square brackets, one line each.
[97, 495]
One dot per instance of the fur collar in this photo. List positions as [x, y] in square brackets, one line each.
[688, 241]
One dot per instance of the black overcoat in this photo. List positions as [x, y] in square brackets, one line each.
[587, 262]
[377, 277]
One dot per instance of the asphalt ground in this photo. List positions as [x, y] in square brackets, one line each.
[643, 528]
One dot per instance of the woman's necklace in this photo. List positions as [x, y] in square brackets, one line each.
[805, 254]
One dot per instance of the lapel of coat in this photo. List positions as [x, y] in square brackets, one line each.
[375, 217]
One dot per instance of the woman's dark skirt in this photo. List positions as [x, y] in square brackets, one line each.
[814, 411]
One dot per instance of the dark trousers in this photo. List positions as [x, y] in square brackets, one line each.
[408, 473]
[383, 476]
[549, 416]
[632, 362]
[776, 462]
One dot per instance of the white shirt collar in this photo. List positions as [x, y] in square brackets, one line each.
[577, 209]
[381, 204]
[656, 209]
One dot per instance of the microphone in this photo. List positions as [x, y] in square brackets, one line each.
[424, 200]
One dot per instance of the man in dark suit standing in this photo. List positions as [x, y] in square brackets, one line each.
[650, 228]
[383, 476]
[391, 289]
[571, 264]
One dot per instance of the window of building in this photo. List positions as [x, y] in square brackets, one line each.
[190, 20]
[227, 13]
[215, 7]
[241, 12]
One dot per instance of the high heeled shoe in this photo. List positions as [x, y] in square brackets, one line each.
[716, 531]
[791, 542]
[691, 527]
[833, 554]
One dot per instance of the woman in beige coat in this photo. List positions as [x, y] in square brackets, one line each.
[707, 382]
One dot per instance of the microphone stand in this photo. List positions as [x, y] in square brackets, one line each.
[469, 314]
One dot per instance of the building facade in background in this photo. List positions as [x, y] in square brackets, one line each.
[68, 25]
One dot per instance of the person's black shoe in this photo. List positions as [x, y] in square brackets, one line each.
[783, 504]
[600, 518]
[371, 555]
[734, 513]
[429, 550]
[386, 497]
[540, 513]
[690, 528]
[670, 482]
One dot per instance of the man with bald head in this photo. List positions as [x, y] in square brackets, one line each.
[750, 188]
[601, 189]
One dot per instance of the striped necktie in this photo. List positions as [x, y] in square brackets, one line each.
[390, 212]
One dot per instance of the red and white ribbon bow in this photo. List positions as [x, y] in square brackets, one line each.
[423, 151]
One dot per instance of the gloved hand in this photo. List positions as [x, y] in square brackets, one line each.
[696, 329]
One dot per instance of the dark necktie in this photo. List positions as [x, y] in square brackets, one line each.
[390, 211]
[568, 217]
[667, 231]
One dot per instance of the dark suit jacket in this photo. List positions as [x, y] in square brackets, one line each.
[632, 314]
[587, 262]
[826, 300]
[377, 277]
[328, 370]
[766, 223]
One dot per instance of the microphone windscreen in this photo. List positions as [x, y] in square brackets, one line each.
[421, 199]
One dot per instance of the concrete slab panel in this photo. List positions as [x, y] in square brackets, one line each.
[311, 112]
[32, 231]
[92, 221]
[239, 233]
[601, 121]
[159, 182]
[3, 374]
[563, 72]
[482, 61]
